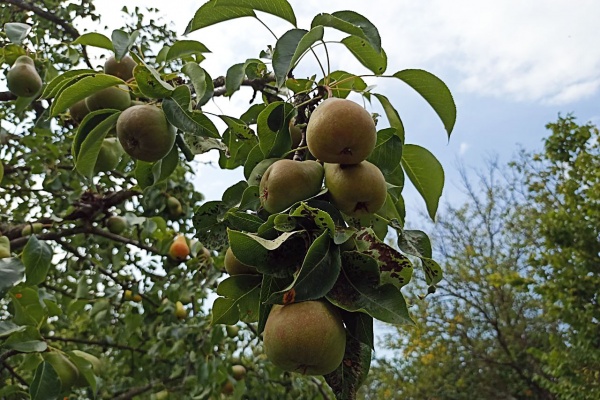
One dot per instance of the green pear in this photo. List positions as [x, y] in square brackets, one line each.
[23, 80]
[79, 110]
[174, 207]
[4, 247]
[340, 131]
[286, 182]
[114, 97]
[233, 266]
[65, 369]
[238, 372]
[232, 331]
[109, 156]
[356, 190]
[116, 224]
[306, 337]
[30, 228]
[122, 69]
[259, 170]
[145, 133]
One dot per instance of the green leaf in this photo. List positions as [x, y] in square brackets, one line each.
[87, 155]
[87, 125]
[314, 35]
[16, 31]
[82, 89]
[198, 77]
[270, 285]
[122, 42]
[241, 220]
[30, 346]
[342, 83]
[150, 83]
[36, 257]
[285, 51]
[46, 383]
[387, 155]
[7, 328]
[317, 275]
[392, 115]
[279, 256]
[240, 301]
[178, 114]
[374, 60]
[143, 174]
[434, 91]
[234, 78]
[279, 8]
[415, 243]
[95, 39]
[350, 374]
[351, 23]
[63, 80]
[208, 15]
[163, 168]
[273, 129]
[12, 272]
[182, 48]
[426, 173]
[360, 326]
[239, 139]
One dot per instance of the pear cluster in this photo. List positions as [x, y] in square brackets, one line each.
[342, 134]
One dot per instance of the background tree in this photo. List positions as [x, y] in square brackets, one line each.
[108, 259]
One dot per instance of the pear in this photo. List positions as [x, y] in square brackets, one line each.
[357, 189]
[286, 182]
[306, 337]
[180, 311]
[259, 170]
[116, 224]
[122, 69]
[114, 97]
[4, 247]
[109, 156]
[23, 80]
[79, 110]
[65, 369]
[174, 207]
[179, 249]
[145, 133]
[233, 266]
[238, 372]
[340, 131]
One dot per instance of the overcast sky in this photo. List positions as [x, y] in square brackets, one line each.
[512, 67]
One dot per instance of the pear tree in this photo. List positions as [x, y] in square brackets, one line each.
[314, 233]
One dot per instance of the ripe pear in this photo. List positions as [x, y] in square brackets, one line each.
[145, 133]
[356, 190]
[23, 80]
[79, 110]
[340, 131]
[306, 337]
[259, 170]
[233, 266]
[114, 97]
[179, 249]
[109, 156]
[122, 69]
[65, 369]
[286, 182]
[116, 224]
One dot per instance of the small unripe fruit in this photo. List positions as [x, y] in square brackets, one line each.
[79, 110]
[137, 298]
[232, 330]
[145, 133]
[65, 369]
[340, 131]
[180, 311]
[114, 97]
[4, 247]
[356, 190]
[22, 79]
[109, 155]
[36, 227]
[122, 69]
[128, 295]
[174, 207]
[233, 266]
[227, 388]
[238, 372]
[306, 337]
[286, 182]
[179, 249]
[116, 224]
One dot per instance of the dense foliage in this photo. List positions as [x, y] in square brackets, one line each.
[113, 252]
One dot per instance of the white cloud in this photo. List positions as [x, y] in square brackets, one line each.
[464, 146]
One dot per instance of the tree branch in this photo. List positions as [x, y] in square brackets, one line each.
[94, 343]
